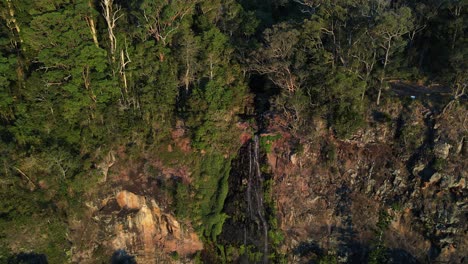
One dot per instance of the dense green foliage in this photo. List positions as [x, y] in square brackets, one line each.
[332, 57]
[203, 202]
[78, 78]
[81, 77]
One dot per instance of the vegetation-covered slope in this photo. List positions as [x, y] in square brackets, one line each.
[97, 96]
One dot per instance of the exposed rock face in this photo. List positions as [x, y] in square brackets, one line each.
[150, 232]
[441, 150]
[136, 224]
[333, 194]
[128, 200]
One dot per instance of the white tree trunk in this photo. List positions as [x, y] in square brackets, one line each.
[111, 16]
[12, 20]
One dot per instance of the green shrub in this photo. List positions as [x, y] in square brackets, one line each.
[439, 164]
[328, 153]
[328, 259]
[384, 221]
[397, 206]
[378, 255]
[346, 119]
[412, 136]
[266, 142]
[175, 256]
[203, 200]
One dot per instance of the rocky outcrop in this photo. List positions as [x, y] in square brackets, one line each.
[130, 201]
[144, 230]
[137, 225]
[333, 196]
[442, 150]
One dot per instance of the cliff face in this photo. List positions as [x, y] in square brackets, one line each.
[130, 214]
[137, 225]
[398, 186]
[148, 229]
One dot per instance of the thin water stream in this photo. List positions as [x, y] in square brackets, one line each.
[248, 225]
[255, 190]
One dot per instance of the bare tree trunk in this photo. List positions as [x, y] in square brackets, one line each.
[365, 88]
[187, 74]
[211, 68]
[124, 60]
[111, 17]
[12, 20]
[456, 13]
[379, 95]
[382, 77]
[460, 91]
[369, 68]
[32, 186]
[92, 27]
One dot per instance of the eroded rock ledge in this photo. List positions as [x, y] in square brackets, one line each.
[137, 225]
[144, 229]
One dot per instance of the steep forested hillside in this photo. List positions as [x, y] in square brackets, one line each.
[224, 131]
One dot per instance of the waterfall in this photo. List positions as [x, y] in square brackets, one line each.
[249, 225]
[256, 209]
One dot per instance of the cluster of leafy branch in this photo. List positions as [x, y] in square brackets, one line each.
[335, 58]
[80, 78]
